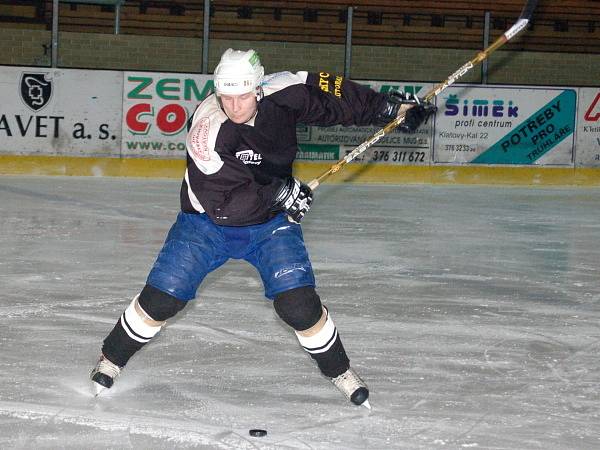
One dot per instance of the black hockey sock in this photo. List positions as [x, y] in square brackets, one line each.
[334, 361]
[118, 347]
[133, 329]
[326, 348]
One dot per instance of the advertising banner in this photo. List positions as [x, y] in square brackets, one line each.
[60, 111]
[587, 150]
[505, 125]
[332, 143]
[145, 114]
[156, 109]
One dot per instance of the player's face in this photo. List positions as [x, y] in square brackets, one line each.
[239, 108]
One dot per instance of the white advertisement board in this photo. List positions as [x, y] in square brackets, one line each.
[587, 150]
[505, 125]
[145, 114]
[60, 111]
[156, 109]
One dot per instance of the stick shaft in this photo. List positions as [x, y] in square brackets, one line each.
[519, 26]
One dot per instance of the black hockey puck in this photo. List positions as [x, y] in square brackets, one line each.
[256, 432]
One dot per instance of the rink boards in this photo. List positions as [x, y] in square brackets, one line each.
[112, 123]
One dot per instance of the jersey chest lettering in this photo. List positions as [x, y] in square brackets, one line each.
[249, 156]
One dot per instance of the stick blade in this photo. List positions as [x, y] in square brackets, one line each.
[523, 20]
[97, 388]
[528, 9]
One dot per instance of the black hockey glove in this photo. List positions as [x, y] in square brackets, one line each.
[415, 116]
[293, 197]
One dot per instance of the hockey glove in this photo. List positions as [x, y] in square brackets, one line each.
[418, 113]
[293, 197]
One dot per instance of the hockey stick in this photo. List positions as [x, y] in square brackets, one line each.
[519, 26]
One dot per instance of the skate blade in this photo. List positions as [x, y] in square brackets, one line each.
[98, 388]
[366, 404]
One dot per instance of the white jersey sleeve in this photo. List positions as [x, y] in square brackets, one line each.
[277, 81]
[200, 141]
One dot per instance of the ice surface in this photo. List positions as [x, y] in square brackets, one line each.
[472, 313]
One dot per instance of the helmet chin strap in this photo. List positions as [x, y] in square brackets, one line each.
[251, 119]
[259, 93]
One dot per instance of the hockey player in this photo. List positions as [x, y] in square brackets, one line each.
[239, 199]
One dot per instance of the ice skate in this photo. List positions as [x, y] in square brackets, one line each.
[353, 387]
[104, 374]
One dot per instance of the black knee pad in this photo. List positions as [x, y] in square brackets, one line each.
[158, 304]
[300, 308]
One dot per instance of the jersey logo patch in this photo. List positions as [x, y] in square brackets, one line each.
[198, 139]
[249, 157]
[287, 270]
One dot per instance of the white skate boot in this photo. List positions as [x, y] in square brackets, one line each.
[104, 374]
[353, 387]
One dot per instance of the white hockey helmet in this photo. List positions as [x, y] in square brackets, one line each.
[238, 72]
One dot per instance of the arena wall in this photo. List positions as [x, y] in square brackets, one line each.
[84, 126]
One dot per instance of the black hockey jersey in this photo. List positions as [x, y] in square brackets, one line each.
[233, 170]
